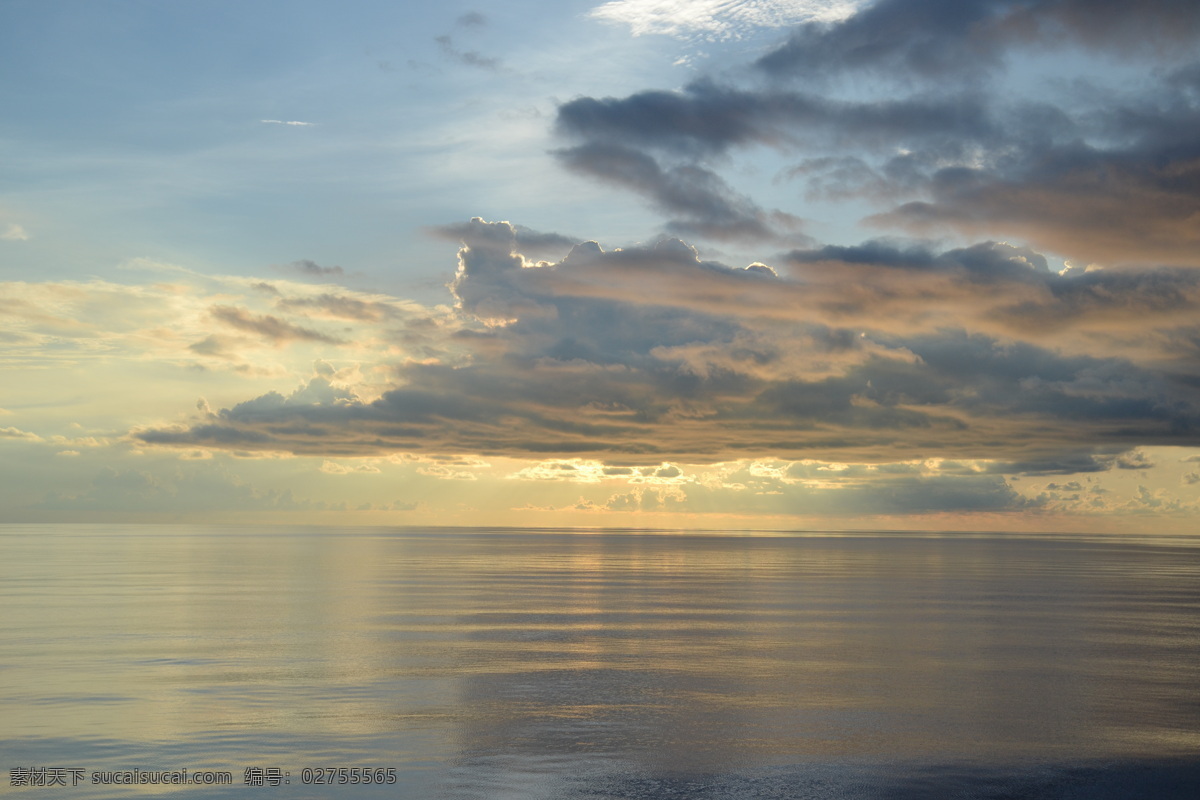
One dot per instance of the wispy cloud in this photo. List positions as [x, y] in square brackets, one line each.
[717, 18]
[17, 433]
[268, 326]
[294, 122]
[313, 269]
[14, 233]
[471, 19]
[470, 58]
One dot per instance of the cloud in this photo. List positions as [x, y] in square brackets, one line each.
[313, 269]
[336, 306]
[659, 144]
[181, 489]
[706, 205]
[276, 330]
[917, 495]
[1133, 460]
[14, 233]
[716, 19]
[470, 58]
[580, 470]
[954, 38]
[1138, 204]
[868, 491]
[292, 122]
[707, 118]
[189, 322]
[215, 346]
[1005, 289]
[1051, 330]
[934, 131]
[531, 243]
[335, 468]
[1155, 502]
[471, 19]
[221, 330]
[650, 354]
[17, 433]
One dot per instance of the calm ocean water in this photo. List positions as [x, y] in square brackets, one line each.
[542, 664]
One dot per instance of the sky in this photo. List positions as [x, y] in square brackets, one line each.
[718, 264]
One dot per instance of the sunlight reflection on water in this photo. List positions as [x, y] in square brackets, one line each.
[501, 663]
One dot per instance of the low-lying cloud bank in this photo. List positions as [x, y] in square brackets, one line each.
[875, 353]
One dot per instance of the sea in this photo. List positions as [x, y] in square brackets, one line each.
[257, 662]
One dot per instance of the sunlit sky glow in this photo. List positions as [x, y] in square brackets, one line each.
[901, 264]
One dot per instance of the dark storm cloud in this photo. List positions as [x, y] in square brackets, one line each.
[707, 119]
[1096, 174]
[913, 495]
[656, 143]
[1118, 183]
[1111, 296]
[704, 204]
[1005, 290]
[216, 435]
[956, 38]
[700, 121]
[1025, 168]
[1137, 205]
[1063, 463]
[994, 380]
[1071, 293]
[986, 261]
[648, 354]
